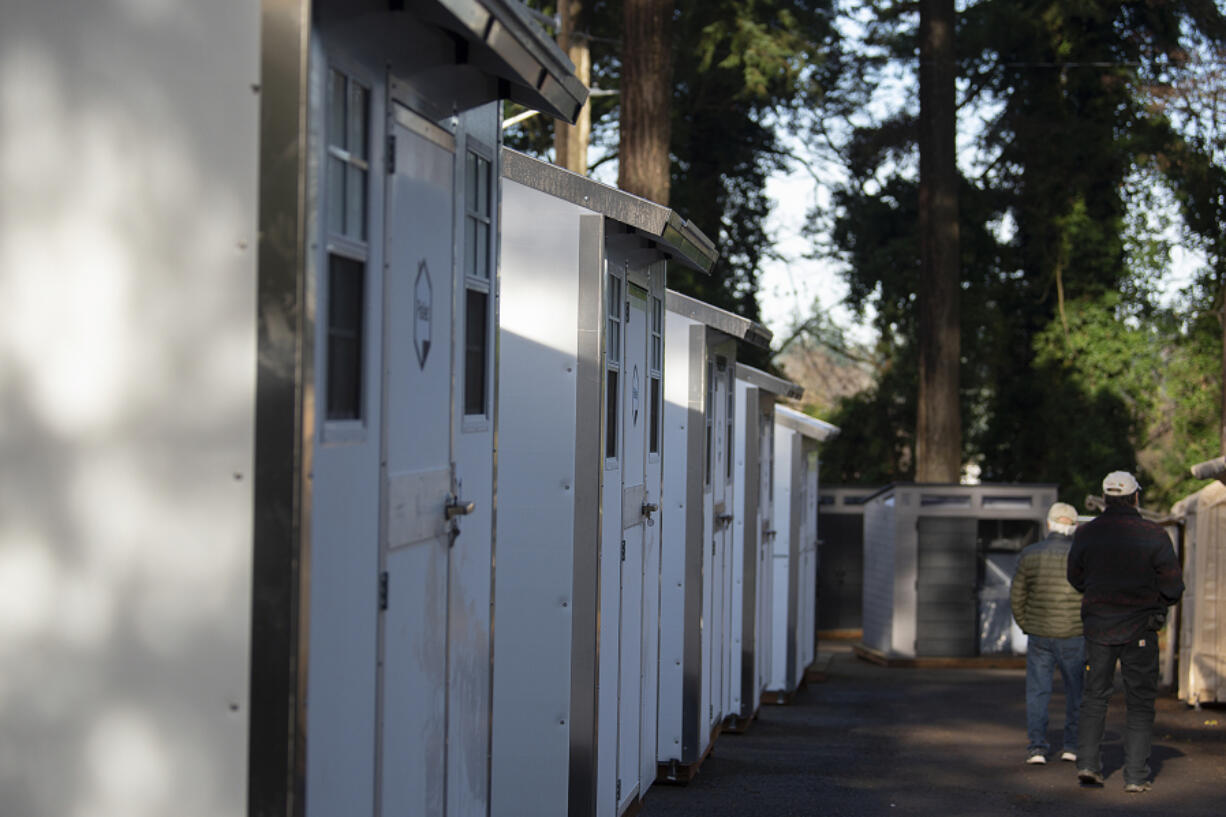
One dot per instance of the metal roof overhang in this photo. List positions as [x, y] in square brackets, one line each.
[499, 38]
[664, 229]
[804, 424]
[727, 322]
[763, 380]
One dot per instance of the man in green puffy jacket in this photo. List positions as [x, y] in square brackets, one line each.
[1048, 610]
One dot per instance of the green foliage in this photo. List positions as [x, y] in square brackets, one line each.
[742, 68]
[1071, 368]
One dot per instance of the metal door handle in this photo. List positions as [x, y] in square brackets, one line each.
[649, 508]
[457, 507]
[769, 534]
[724, 519]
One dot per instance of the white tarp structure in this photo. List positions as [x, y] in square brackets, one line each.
[1202, 611]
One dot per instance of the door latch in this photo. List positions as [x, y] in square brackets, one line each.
[457, 507]
[649, 508]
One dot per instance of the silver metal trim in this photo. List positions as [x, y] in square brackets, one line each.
[589, 451]
[692, 719]
[422, 126]
[795, 509]
[772, 384]
[284, 424]
[716, 318]
[749, 550]
[672, 235]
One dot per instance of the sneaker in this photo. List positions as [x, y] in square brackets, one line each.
[1036, 759]
[1069, 755]
[1135, 788]
[1089, 778]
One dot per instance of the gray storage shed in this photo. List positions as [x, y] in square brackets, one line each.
[935, 560]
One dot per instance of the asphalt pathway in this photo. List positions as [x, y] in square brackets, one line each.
[872, 740]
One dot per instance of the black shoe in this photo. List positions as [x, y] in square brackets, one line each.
[1089, 777]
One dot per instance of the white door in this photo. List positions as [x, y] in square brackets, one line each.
[434, 647]
[654, 402]
[635, 420]
[765, 522]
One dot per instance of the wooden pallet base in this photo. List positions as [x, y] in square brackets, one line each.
[839, 635]
[676, 773]
[969, 662]
[736, 725]
[780, 697]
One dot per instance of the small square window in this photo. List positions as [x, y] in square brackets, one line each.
[476, 351]
[346, 290]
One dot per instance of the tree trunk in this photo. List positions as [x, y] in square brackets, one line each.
[646, 94]
[938, 434]
[570, 141]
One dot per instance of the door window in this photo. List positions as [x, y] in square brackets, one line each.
[613, 358]
[478, 251]
[655, 371]
[347, 188]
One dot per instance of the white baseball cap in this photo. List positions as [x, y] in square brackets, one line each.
[1062, 510]
[1120, 483]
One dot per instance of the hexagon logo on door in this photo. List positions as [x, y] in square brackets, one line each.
[423, 305]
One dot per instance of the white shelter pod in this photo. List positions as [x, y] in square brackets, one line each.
[935, 558]
[195, 507]
[794, 551]
[752, 534]
[695, 574]
[581, 345]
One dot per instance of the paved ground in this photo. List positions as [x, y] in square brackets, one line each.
[888, 741]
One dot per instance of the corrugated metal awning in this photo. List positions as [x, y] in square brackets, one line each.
[804, 424]
[675, 237]
[727, 322]
[764, 380]
[497, 37]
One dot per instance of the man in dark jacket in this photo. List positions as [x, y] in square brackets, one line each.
[1128, 571]
[1048, 610]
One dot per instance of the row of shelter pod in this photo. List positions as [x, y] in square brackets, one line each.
[620, 589]
[376, 470]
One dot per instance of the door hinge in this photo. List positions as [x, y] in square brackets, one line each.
[383, 590]
[389, 158]
[618, 795]
[627, 311]
[623, 550]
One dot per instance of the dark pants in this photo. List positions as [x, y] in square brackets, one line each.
[1139, 668]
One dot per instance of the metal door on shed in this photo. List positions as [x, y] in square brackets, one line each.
[434, 586]
[947, 568]
[635, 420]
[840, 581]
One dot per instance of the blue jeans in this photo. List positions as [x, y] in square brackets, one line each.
[1139, 668]
[1043, 655]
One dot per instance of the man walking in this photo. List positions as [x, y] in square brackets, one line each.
[1128, 571]
[1048, 610]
